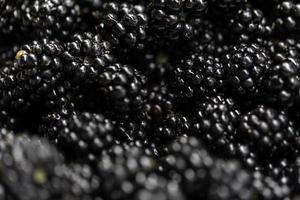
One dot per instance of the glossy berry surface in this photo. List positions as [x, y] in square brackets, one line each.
[149, 99]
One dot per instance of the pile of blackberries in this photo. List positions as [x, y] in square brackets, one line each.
[149, 99]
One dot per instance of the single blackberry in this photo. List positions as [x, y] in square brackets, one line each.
[284, 49]
[176, 19]
[85, 56]
[282, 83]
[270, 134]
[129, 173]
[33, 74]
[246, 67]
[202, 176]
[122, 88]
[35, 170]
[249, 23]
[124, 25]
[287, 17]
[31, 105]
[199, 75]
[87, 134]
[214, 122]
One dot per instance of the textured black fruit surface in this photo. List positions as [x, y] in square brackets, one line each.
[287, 16]
[199, 75]
[149, 99]
[189, 162]
[284, 49]
[176, 19]
[249, 23]
[246, 68]
[270, 136]
[124, 24]
[282, 83]
[215, 121]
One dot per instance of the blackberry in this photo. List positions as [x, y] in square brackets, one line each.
[281, 85]
[214, 122]
[246, 67]
[55, 18]
[34, 72]
[269, 133]
[122, 88]
[128, 173]
[87, 134]
[85, 56]
[176, 19]
[202, 176]
[284, 49]
[35, 170]
[249, 23]
[199, 75]
[119, 87]
[124, 25]
[287, 17]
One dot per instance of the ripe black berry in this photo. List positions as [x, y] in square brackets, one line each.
[197, 76]
[124, 25]
[246, 67]
[176, 19]
[215, 121]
